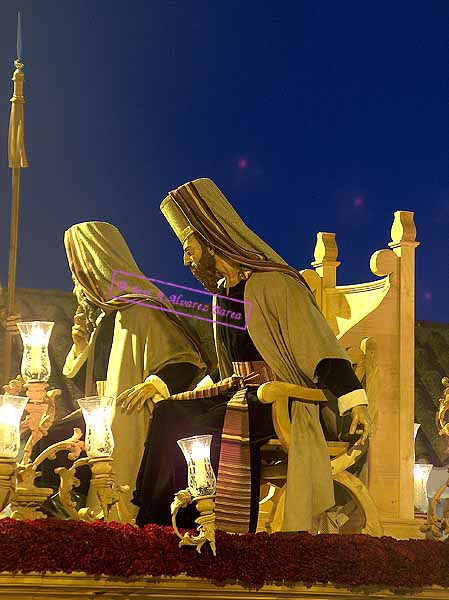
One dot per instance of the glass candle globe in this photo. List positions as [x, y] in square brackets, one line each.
[11, 409]
[421, 475]
[97, 413]
[416, 426]
[35, 360]
[200, 475]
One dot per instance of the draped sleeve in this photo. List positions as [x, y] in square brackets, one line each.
[288, 328]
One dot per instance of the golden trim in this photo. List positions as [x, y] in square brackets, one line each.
[60, 586]
[227, 436]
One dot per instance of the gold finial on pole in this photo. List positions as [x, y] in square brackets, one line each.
[16, 160]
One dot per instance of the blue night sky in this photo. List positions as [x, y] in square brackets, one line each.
[311, 116]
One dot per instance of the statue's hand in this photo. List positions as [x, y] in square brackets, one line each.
[137, 396]
[80, 335]
[360, 420]
[10, 322]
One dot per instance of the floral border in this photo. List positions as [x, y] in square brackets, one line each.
[251, 560]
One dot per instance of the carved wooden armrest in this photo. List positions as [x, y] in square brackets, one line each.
[277, 393]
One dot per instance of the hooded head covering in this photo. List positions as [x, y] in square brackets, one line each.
[97, 254]
[200, 207]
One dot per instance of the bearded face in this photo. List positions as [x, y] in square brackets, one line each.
[201, 263]
[89, 309]
[205, 271]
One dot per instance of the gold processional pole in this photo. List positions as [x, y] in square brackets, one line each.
[16, 160]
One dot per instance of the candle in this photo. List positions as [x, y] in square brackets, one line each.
[199, 460]
[8, 431]
[201, 477]
[97, 440]
[35, 365]
[36, 362]
[421, 476]
[97, 412]
[38, 343]
[200, 473]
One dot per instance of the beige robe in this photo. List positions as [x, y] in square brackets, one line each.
[144, 341]
[292, 336]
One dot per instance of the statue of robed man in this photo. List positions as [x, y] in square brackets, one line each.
[287, 339]
[127, 337]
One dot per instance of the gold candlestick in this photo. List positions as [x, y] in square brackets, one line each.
[201, 490]
[205, 522]
[7, 480]
[17, 481]
[110, 494]
[41, 414]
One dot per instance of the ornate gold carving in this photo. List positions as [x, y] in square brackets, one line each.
[443, 408]
[205, 522]
[67, 482]
[40, 408]
[27, 501]
[14, 387]
[110, 494]
[435, 526]
[7, 478]
[73, 444]
[27, 497]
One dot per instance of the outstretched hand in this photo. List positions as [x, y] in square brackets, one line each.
[360, 421]
[137, 396]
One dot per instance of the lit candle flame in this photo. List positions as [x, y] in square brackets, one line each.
[199, 450]
[9, 415]
[38, 336]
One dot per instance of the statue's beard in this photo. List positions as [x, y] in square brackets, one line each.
[90, 310]
[206, 272]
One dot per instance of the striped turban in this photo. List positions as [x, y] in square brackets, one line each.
[200, 207]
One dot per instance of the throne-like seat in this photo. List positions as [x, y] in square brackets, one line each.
[343, 455]
[375, 323]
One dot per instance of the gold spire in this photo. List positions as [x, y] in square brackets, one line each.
[16, 139]
[16, 160]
